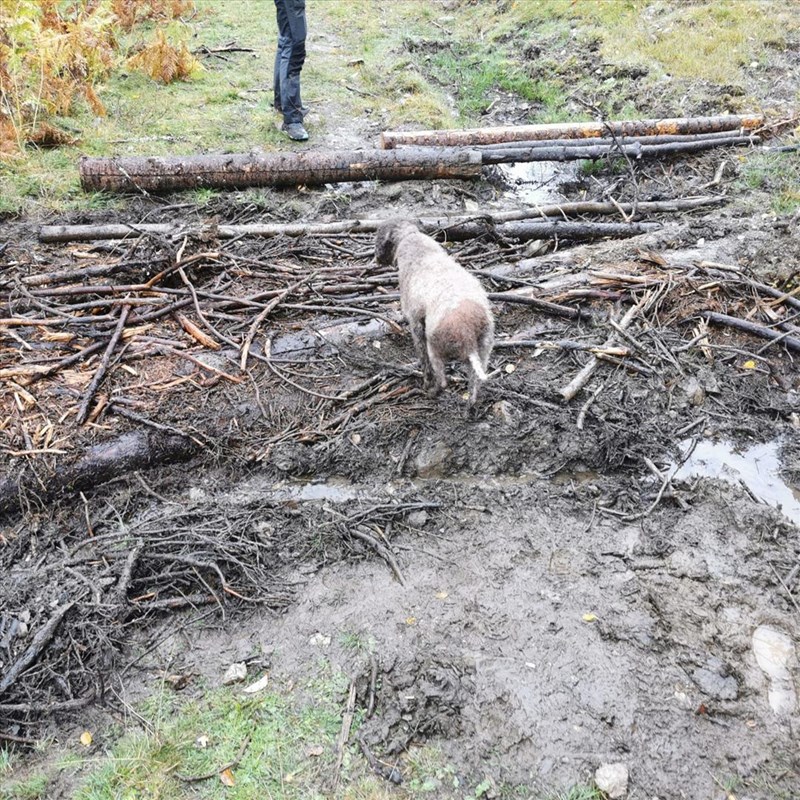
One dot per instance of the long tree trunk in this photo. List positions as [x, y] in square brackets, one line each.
[637, 149]
[573, 130]
[238, 170]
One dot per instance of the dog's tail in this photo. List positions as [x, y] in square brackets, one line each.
[475, 361]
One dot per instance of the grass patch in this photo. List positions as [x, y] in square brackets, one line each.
[778, 174]
[32, 787]
[290, 753]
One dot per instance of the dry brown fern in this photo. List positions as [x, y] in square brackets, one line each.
[130, 12]
[163, 61]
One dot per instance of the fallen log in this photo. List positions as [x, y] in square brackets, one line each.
[609, 140]
[239, 170]
[513, 155]
[132, 451]
[525, 231]
[575, 130]
[753, 328]
[90, 233]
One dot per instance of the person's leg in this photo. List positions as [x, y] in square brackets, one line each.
[282, 52]
[291, 103]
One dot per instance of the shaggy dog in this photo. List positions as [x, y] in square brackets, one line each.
[446, 307]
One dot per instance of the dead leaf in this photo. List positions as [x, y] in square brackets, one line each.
[226, 776]
[315, 750]
[260, 684]
[652, 257]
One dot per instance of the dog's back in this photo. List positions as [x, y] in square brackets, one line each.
[442, 302]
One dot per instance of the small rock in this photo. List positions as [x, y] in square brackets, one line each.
[505, 412]
[433, 461]
[687, 565]
[612, 779]
[417, 519]
[235, 673]
[320, 640]
[536, 247]
[695, 393]
[715, 685]
[775, 655]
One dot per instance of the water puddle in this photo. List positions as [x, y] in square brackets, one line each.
[538, 182]
[329, 491]
[758, 468]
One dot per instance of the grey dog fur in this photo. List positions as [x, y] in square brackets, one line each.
[447, 309]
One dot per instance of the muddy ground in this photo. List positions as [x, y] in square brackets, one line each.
[554, 603]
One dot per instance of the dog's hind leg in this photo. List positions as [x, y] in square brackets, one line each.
[439, 381]
[417, 327]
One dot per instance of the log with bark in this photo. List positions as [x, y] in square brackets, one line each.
[238, 170]
[637, 149]
[139, 449]
[575, 130]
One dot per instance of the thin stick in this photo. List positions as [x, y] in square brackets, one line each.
[269, 308]
[580, 380]
[83, 408]
[213, 774]
[344, 735]
[384, 552]
[40, 640]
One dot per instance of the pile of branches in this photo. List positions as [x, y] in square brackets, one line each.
[118, 353]
[147, 322]
[66, 619]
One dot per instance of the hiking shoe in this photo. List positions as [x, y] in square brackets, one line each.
[295, 131]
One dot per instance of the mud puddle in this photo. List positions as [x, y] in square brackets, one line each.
[758, 468]
[539, 181]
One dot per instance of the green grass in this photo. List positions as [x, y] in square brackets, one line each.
[778, 174]
[32, 787]
[290, 752]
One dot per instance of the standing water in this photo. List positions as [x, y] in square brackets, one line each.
[757, 467]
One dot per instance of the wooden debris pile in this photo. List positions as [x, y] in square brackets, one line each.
[165, 317]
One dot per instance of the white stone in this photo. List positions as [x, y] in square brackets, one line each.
[612, 779]
[775, 654]
[236, 672]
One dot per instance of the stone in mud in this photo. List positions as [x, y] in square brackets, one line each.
[433, 461]
[693, 388]
[417, 519]
[612, 779]
[711, 683]
[505, 412]
[292, 458]
[682, 564]
[235, 673]
[775, 655]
